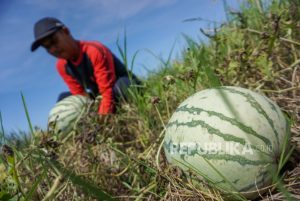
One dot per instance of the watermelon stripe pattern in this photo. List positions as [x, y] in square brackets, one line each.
[236, 158]
[214, 131]
[238, 131]
[233, 121]
[65, 113]
[261, 179]
[258, 107]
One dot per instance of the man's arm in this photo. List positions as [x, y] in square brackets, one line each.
[105, 78]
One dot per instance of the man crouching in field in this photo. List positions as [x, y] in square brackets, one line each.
[87, 67]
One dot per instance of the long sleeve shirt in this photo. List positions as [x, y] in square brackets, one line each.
[94, 70]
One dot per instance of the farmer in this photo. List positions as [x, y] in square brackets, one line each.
[87, 67]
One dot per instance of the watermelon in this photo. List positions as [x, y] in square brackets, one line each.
[65, 114]
[230, 136]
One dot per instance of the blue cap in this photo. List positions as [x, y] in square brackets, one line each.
[43, 28]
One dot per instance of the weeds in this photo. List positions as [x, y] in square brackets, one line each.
[120, 157]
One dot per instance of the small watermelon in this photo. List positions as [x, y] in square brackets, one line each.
[65, 113]
[230, 136]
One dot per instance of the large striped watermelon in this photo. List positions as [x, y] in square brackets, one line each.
[65, 113]
[231, 136]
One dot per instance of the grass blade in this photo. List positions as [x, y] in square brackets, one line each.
[27, 113]
[86, 185]
[2, 134]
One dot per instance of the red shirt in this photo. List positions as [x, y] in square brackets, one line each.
[96, 56]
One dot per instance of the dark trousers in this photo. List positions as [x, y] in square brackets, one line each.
[120, 89]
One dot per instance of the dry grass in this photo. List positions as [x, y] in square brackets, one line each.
[122, 154]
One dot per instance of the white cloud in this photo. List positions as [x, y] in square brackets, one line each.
[123, 9]
[104, 10]
[43, 5]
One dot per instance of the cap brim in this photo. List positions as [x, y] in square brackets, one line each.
[37, 41]
[35, 45]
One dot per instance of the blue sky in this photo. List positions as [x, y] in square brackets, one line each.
[155, 25]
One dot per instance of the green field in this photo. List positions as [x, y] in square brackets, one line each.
[120, 157]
